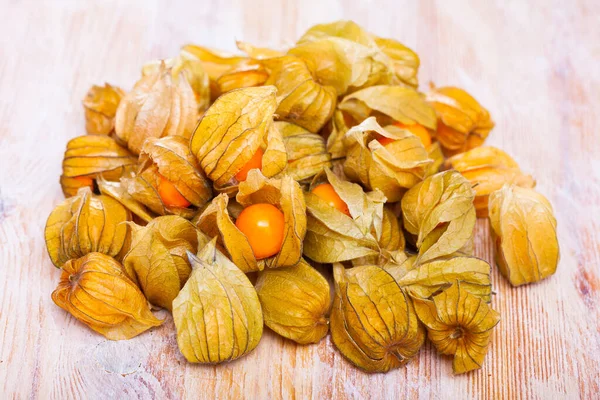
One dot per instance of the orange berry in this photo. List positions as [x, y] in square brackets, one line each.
[254, 162]
[169, 194]
[85, 180]
[327, 193]
[417, 130]
[385, 140]
[263, 224]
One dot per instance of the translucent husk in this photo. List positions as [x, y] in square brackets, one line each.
[285, 194]
[86, 223]
[524, 231]
[157, 106]
[373, 321]
[333, 236]
[89, 156]
[100, 105]
[171, 158]
[392, 168]
[186, 66]
[158, 257]
[295, 302]
[217, 314]
[390, 103]
[306, 152]
[232, 130]
[439, 211]
[488, 169]
[301, 100]
[97, 291]
[458, 324]
[463, 123]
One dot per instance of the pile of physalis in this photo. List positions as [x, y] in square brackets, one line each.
[221, 187]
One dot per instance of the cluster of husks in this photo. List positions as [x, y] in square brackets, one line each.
[215, 166]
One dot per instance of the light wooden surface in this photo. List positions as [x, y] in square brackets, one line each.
[535, 65]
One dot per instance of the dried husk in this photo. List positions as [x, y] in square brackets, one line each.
[344, 64]
[97, 291]
[430, 278]
[171, 158]
[90, 155]
[439, 211]
[86, 223]
[373, 322]
[295, 302]
[188, 67]
[242, 76]
[524, 231]
[157, 106]
[390, 241]
[336, 129]
[459, 324]
[405, 62]
[215, 62]
[344, 29]
[390, 103]
[257, 53]
[306, 152]
[232, 130]
[393, 168]
[283, 193]
[488, 169]
[100, 105]
[118, 191]
[434, 151]
[217, 314]
[333, 236]
[158, 257]
[463, 123]
[301, 100]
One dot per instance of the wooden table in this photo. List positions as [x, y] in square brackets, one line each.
[535, 65]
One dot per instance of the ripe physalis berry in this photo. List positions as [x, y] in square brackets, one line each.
[263, 224]
[327, 193]
[169, 194]
[254, 162]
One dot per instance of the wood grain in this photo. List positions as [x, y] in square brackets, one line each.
[534, 64]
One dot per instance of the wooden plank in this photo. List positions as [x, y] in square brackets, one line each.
[533, 64]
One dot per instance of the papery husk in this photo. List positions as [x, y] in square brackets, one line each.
[488, 169]
[430, 278]
[393, 168]
[458, 324]
[390, 240]
[215, 62]
[86, 223]
[295, 302]
[158, 257]
[439, 211]
[188, 67]
[405, 62]
[344, 64]
[118, 191]
[157, 106]
[333, 236]
[306, 152]
[232, 130]
[285, 194]
[464, 123]
[301, 100]
[337, 128]
[257, 53]
[171, 158]
[434, 151]
[373, 322]
[217, 314]
[524, 231]
[242, 76]
[90, 155]
[100, 105]
[396, 103]
[344, 29]
[96, 290]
